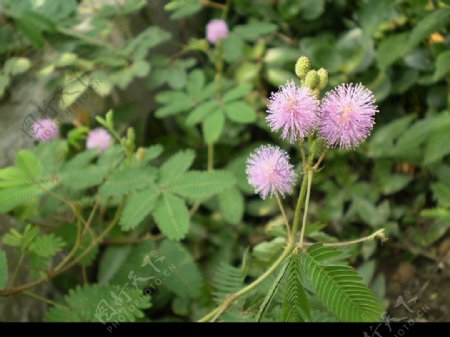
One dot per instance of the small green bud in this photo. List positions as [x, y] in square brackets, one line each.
[131, 135]
[140, 154]
[302, 66]
[316, 92]
[130, 140]
[311, 79]
[323, 78]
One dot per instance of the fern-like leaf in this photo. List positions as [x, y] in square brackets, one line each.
[272, 291]
[339, 287]
[29, 164]
[127, 181]
[227, 279]
[138, 206]
[95, 303]
[202, 185]
[10, 198]
[295, 306]
[83, 178]
[47, 245]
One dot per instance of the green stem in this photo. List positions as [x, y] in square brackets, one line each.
[322, 156]
[16, 270]
[286, 221]
[40, 298]
[74, 249]
[302, 152]
[378, 234]
[210, 156]
[305, 213]
[298, 209]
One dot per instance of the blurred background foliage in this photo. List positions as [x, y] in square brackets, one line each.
[149, 61]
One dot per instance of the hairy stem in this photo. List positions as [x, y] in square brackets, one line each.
[40, 298]
[286, 221]
[305, 212]
[16, 270]
[298, 209]
[322, 156]
[378, 234]
[302, 152]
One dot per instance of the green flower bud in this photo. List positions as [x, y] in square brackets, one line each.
[131, 135]
[302, 66]
[311, 79]
[323, 78]
[140, 154]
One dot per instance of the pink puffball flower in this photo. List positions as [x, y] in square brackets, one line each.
[294, 110]
[269, 171]
[347, 115]
[98, 139]
[45, 130]
[216, 30]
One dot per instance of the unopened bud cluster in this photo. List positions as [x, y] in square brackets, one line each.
[316, 80]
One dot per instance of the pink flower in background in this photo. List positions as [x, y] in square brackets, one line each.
[45, 130]
[216, 30]
[99, 139]
[269, 171]
[347, 115]
[293, 110]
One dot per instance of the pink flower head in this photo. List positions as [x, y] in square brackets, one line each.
[294, 110]
[99, 139]
[216, 30]
[269, 171]
[45, 130]
[347, 115]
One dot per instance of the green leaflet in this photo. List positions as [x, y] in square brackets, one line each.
[295, 306]
[3, 269]
[179, 272]
[196, 185]
[213, 126]
[150, 153]
[240, 112]
[238, 92]
[12, 197]
[339, 287]
[29, 164]
[126, 181]
[47, 245]
[86, 177]
[20, 184]
[232, 204]
[84, 304]
[172, 216]
[138, 206]
[200, 112]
